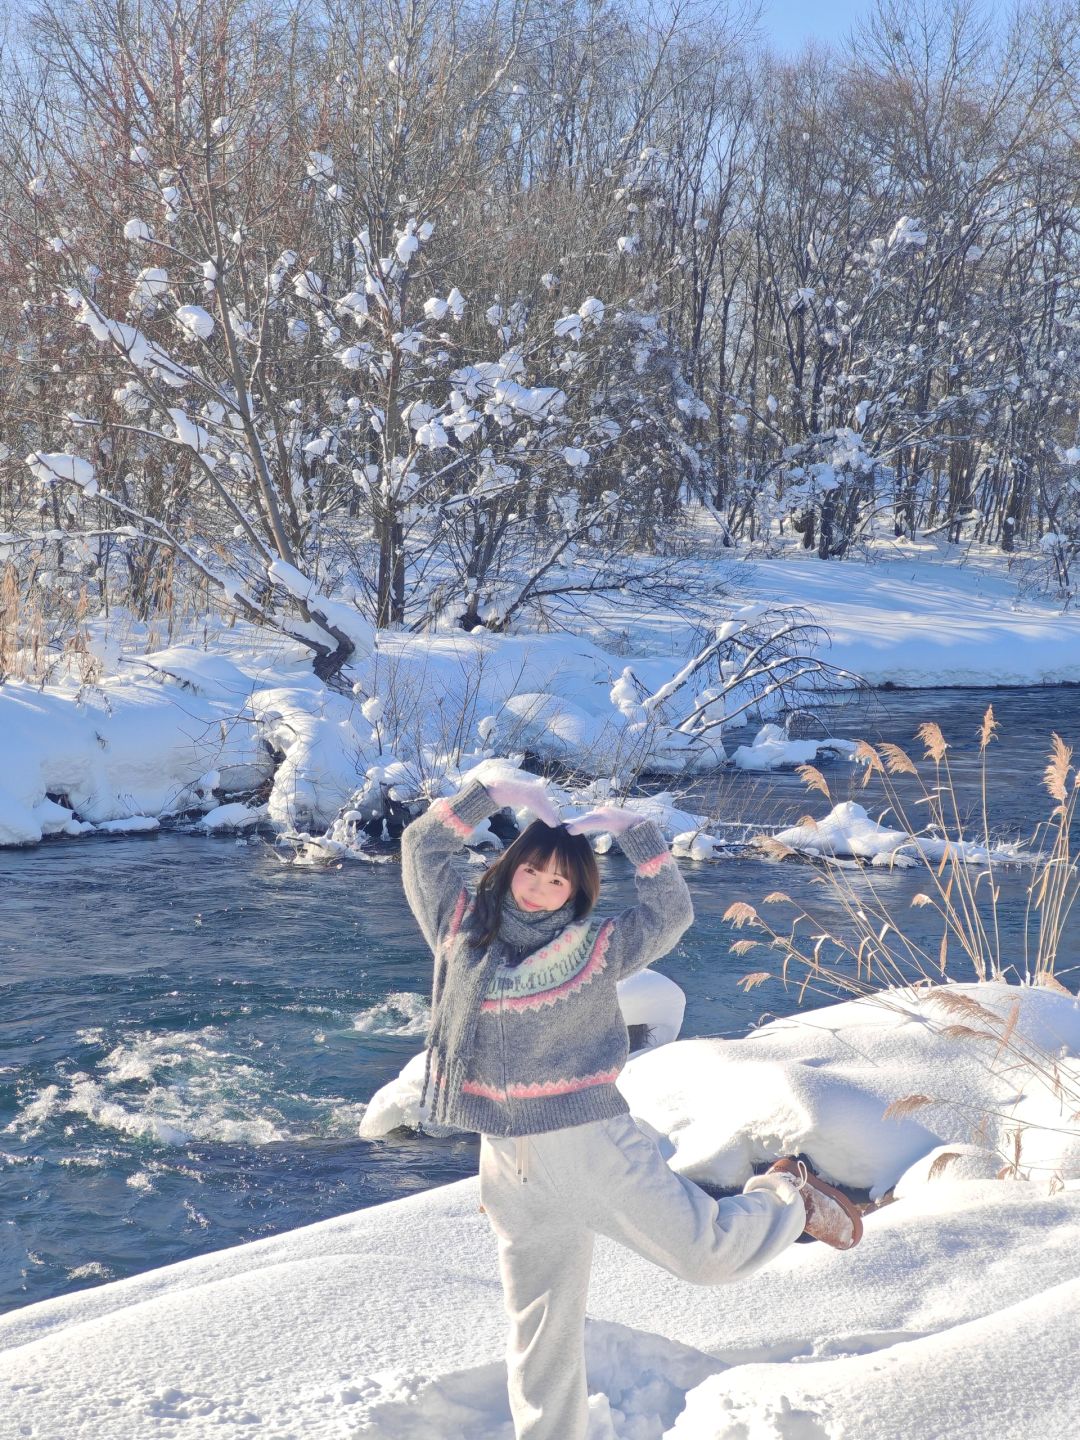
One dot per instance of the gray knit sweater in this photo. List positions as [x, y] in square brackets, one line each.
[517, 1050]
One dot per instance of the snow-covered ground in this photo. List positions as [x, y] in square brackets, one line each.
[911, 619]
[956, 1317]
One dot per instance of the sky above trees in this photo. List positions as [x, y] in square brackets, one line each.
[787, 24]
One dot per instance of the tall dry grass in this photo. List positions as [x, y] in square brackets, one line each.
[871, 950]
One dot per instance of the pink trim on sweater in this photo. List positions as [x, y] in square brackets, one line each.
[655, 865]
[541, 1089]
[442, 811]
[592, 967]
[458, 915]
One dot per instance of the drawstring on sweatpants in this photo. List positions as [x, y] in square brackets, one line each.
[521, 1157]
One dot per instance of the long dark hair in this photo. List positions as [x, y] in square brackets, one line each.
[536, 844]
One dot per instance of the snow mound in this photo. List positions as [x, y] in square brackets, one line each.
[396, 1325]
[25, 823]
[231, 818]
[772, 749]
[639, 1383]
[131, 750]
[652, 999]
[129, 825]
[848, 830]
[325, 749]
[821, 1085]
[952, 1386]
[201, 671]
[397, 1330]
[949, 1165]
[555, 729]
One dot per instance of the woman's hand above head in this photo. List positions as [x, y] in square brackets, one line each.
[513, 789]
[606, 820]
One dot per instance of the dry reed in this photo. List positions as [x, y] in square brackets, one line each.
[870, 950]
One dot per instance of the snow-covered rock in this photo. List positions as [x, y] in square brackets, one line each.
[234, 817]
[695, 845]
[129, 825]
[848, 830]
[396, 1105]
[772, 749]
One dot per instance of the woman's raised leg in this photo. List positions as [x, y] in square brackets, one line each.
[614, 1176]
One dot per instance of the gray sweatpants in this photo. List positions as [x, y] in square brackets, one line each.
[546, 1196]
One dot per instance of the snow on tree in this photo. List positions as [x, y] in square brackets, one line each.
[394, 327]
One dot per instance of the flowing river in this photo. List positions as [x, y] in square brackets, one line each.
[190, 1027]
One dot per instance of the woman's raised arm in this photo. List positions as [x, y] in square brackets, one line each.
[646, 931]
[433, 870]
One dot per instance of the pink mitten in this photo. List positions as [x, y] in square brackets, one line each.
[608, 819]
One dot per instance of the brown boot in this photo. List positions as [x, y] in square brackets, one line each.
[830, 1215]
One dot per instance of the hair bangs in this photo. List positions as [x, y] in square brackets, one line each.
[536, 845]
[537, 849]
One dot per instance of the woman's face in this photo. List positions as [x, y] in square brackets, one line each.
[536, 887]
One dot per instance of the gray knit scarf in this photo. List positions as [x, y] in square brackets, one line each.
[524, 931]
[455, 1009]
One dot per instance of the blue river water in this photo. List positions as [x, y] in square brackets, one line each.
[190, 1027]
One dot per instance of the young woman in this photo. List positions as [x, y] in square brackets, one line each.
[525, 1044]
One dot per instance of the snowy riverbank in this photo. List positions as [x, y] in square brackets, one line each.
[911, 620]
[954, 1317]
[188, 729]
